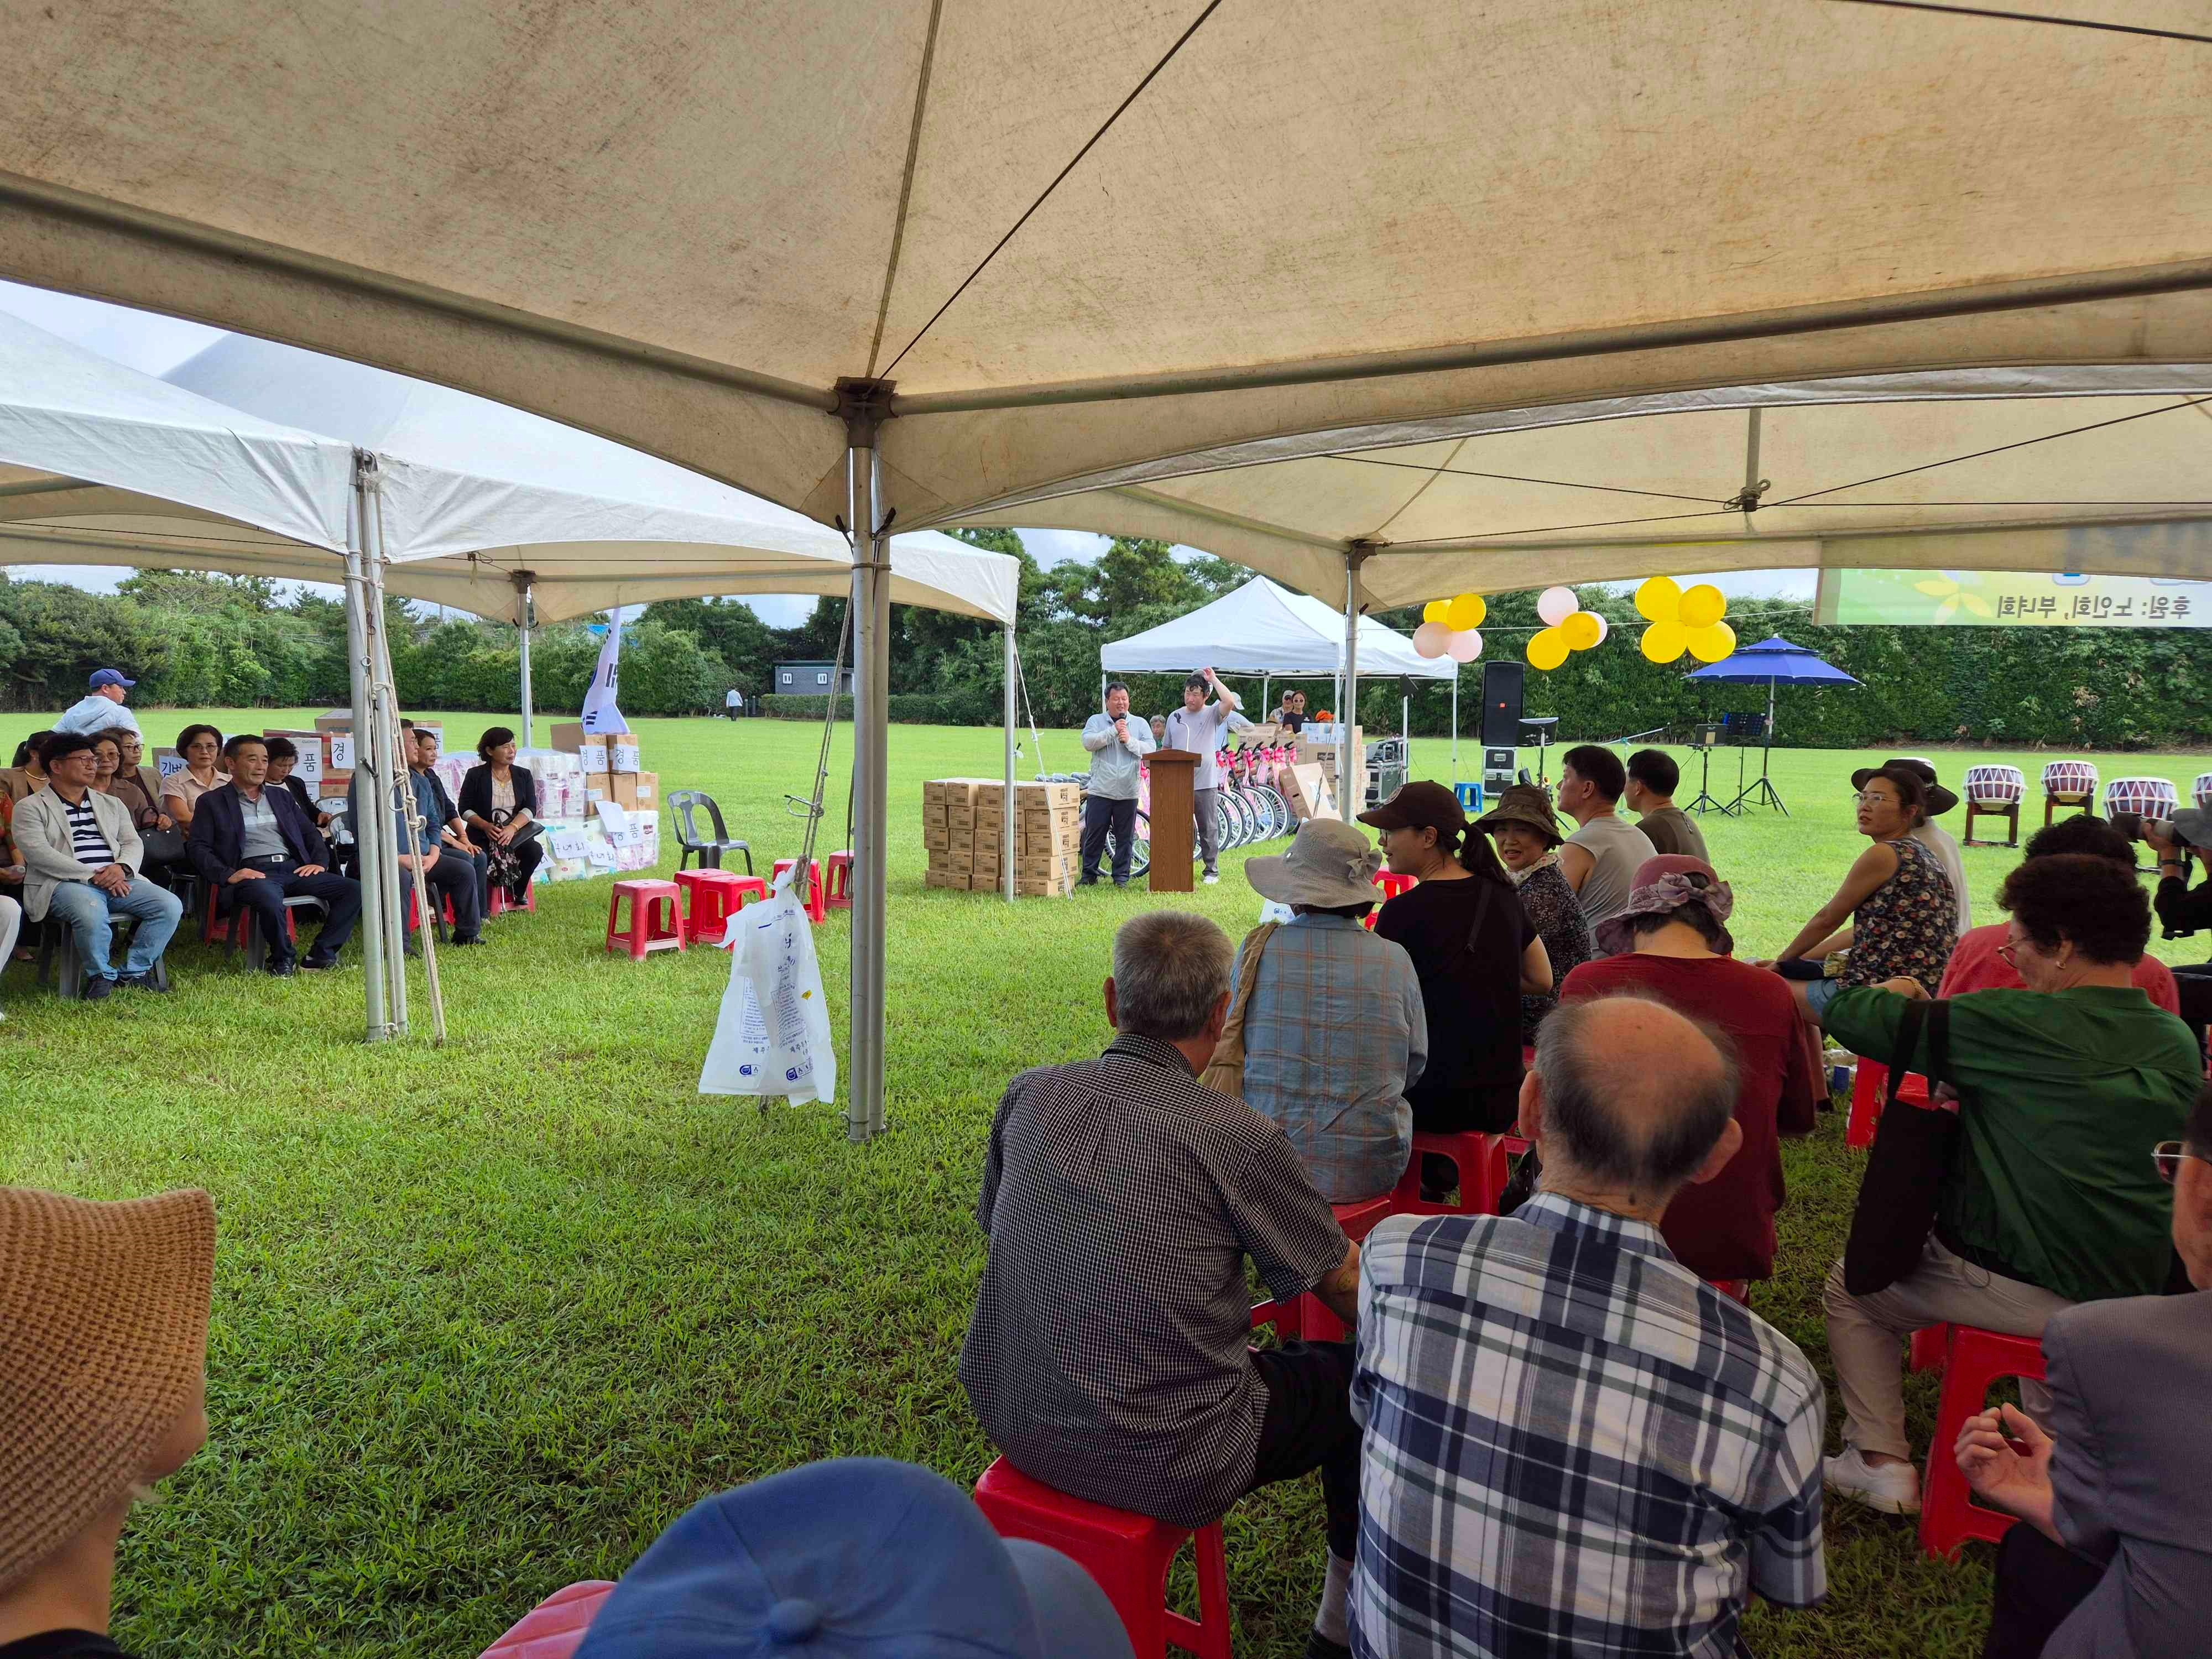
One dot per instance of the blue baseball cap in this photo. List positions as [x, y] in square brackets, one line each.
[860, 1556]
[109, 676]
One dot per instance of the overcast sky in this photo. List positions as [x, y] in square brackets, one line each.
[156, 344]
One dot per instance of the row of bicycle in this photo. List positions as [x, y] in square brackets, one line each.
[1249, 807]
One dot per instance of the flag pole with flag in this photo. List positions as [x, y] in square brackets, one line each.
[601, 712]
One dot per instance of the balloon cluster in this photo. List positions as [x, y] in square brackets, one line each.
[1567, 627]
[1683, 621]
[1448, 628]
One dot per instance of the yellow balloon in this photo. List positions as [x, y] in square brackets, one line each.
[1581, 631]
[1466, 611]
[1664, 641]
[1702, 606]
[1659, 600]
[1434, 610]
[1547, 650]
[1712, 642]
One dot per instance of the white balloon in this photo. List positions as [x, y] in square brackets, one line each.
[1429, 639]
[1602, 629]
[1466, 646]
[1556, 604]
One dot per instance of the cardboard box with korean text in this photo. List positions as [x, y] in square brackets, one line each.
[622, 754]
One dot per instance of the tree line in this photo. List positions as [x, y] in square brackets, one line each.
[223, 641]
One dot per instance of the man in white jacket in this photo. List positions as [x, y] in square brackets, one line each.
[1118, 742]
[81, 859]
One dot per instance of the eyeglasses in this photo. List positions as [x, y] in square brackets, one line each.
[2167, 1157]
[1870, 798]
[2008, 954]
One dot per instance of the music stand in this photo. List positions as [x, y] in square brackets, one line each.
[1761, 791]
[1536, 733]
[1704, 738]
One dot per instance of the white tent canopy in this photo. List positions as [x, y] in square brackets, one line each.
[815, 250]
[1263, 629]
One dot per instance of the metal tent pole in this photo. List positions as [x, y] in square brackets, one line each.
[1006, 831]
[864, 405]
[1455, 674]
[525, 585]
[1351, 768]
[368, 850]
[377, 757]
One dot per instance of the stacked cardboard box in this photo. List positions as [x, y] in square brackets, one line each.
[963, 822]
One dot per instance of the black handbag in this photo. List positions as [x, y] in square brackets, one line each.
[1905, 1170]
[162, 846]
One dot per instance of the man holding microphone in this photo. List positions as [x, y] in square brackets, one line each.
[1117, 743]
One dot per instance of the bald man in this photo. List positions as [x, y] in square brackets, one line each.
[1566, 1431]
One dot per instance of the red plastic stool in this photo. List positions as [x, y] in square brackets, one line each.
[711, 897]
[1738, 1288]
[1128, 1554]
[1392, 884]
[1309, 1318]
[1869, 1089]
[501, 903]
[1928, 1344]
[1481, 1161]
[1974, 1359]
[236, 929]
[818, 911]
[647, 932]
[840, 897]
[555, 1628]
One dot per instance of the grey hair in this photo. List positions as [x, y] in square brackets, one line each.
[1170, 968]
[1581, 1084]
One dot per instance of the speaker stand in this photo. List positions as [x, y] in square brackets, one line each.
[1706, 801]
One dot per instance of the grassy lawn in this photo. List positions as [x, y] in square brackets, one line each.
[487, 1317]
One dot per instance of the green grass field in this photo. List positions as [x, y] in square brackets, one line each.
[487, 1317]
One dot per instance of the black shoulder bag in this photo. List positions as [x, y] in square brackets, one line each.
[1905, 1168]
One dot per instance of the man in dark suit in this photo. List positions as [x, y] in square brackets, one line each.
[253, 844]
[2115, 1557]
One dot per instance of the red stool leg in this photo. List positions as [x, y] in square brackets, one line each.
[614, 918]
[1974, 1360]
[1928, 1344]
[1869, 1084]
[641, 924]
[1206, 1635]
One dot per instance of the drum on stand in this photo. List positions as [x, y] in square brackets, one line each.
[2068, 783]
[2153, 797]
[1994, 792]
[2203, 789]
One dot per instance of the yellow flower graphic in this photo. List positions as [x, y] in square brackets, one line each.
[1951, 587]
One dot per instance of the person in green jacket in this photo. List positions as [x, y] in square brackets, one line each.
[2049, 1200]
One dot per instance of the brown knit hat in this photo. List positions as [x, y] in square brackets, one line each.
[103, 1339]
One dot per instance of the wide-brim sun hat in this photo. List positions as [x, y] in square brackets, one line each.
[1330, 865]
[1523, 803]
[1664, 884]
[1940, 800]
[103, 1345]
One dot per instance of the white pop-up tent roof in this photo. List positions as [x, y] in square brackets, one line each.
[1263, 629]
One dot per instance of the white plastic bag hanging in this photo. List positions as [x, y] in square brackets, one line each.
[772, 1034]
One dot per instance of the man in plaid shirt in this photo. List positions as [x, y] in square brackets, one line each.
[1572, 1444]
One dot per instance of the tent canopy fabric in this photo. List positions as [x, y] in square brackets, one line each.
[1774, 660]
[1262, 629]
[1565, 240]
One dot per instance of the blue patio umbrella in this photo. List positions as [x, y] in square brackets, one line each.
[1773, 662]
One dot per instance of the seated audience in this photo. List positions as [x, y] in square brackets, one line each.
[253, 846]
[449, 831]
[857, 1555]
[1334, 1030]
[1653, 777]
[1573, 1446]
[1672, 943]
[1122, 1184]
[82, 857]
[102, 707]
[27, 775]
[499, 804]
[1977, 963]
[11, 876]
[134, 762]
[1931, 833]
[1601, 858]
[1475, 954]
[103, 1343]
[447, 875]
[1904, 914]
[1527, 835]
[201, 748]
[2049, 1200]
[284, 756]
[2115, 1559]
[112, 777]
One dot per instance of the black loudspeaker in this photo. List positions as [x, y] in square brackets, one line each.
[1501, 703]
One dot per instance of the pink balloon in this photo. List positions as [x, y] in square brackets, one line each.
[1602, 630]
[1430, 638]
[1556, 604]
[1466, 646]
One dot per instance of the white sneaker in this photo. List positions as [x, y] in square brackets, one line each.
[1893, 1489]
[1211, 878]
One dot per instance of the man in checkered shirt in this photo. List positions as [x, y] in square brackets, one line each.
[1574, 1446]
[1109, 1356]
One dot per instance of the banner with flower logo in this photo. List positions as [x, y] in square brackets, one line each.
[1996, 598]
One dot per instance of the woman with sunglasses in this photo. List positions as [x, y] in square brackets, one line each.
[2116, 1554]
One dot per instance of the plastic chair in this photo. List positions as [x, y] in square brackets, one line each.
[555, 1628]
[711, 897]
[501, 903]
[814, 899]
[1128, 1554]
[234, 930]
[1481, 1161]
[1928, 1344]
[59, 941]
[1869, 1089]
[1310, 1318]
[684, 803]
[647, 932]
[1974, 1359]
[1470, 796]
[839, 868]
[1392, 884]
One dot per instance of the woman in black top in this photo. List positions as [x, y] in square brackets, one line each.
[499, 804]
[1475, 951]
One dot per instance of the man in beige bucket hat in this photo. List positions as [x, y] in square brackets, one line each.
[103, 1353]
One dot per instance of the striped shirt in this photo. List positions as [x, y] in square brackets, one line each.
[1334, 1037]
[1572, 1445]
[92, 847]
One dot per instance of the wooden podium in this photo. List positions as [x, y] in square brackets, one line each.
[1174, 828]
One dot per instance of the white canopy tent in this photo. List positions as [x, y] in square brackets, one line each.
[818, 251]
[1264, 628]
